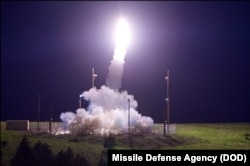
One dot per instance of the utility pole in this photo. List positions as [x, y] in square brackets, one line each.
[128, 117]
[50, 119]
[167, 120]
[38, 112]
[80, 101]
[164, 122]
[93, 77]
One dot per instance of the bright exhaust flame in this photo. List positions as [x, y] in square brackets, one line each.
[122, 39]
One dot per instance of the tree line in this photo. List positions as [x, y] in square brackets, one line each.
[41, 154]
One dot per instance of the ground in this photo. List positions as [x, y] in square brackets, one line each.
[187, 136]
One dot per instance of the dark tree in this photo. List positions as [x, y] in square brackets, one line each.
[103, 161]
[80, 161]
[3, 145]
[65, 158]
[109, 142]
[23, 154]
[42, 155]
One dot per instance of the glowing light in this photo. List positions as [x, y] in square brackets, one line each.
[122, 39]
[122, 33]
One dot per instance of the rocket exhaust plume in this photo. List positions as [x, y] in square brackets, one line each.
[108, 108]
[122, 38]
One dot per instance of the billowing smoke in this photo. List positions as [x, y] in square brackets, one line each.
[108, 107]
[67, 118]
[107, 113]
[114, 79]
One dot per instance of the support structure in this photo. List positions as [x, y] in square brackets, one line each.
[80, 102]
[129, 117]
[167, 114]
[50, 120]
[93, 77]
[38, 112]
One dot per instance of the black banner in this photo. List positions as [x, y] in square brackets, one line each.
[179, 157]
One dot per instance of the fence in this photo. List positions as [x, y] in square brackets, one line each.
[17, 125]
[158, 129]
[44, 126]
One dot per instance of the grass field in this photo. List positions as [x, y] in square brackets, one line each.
[188, 136]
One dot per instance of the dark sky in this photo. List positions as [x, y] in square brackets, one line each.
[49, 48]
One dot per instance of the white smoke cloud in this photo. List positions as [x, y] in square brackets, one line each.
[67, 118]
[107, 111]
[108, 99]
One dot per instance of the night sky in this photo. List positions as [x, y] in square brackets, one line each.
[49, 48]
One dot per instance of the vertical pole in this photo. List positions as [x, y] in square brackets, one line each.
[80, 102]
[168, 104]
[128, 117]
[167, 117]
[93, 77]
[50, 119]
[164, 122]
[38, 112]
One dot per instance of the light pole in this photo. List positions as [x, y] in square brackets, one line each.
[80, 101]
[50, 119]
[128, 117]
[93, 77]
[167, 120]
[38, 112]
